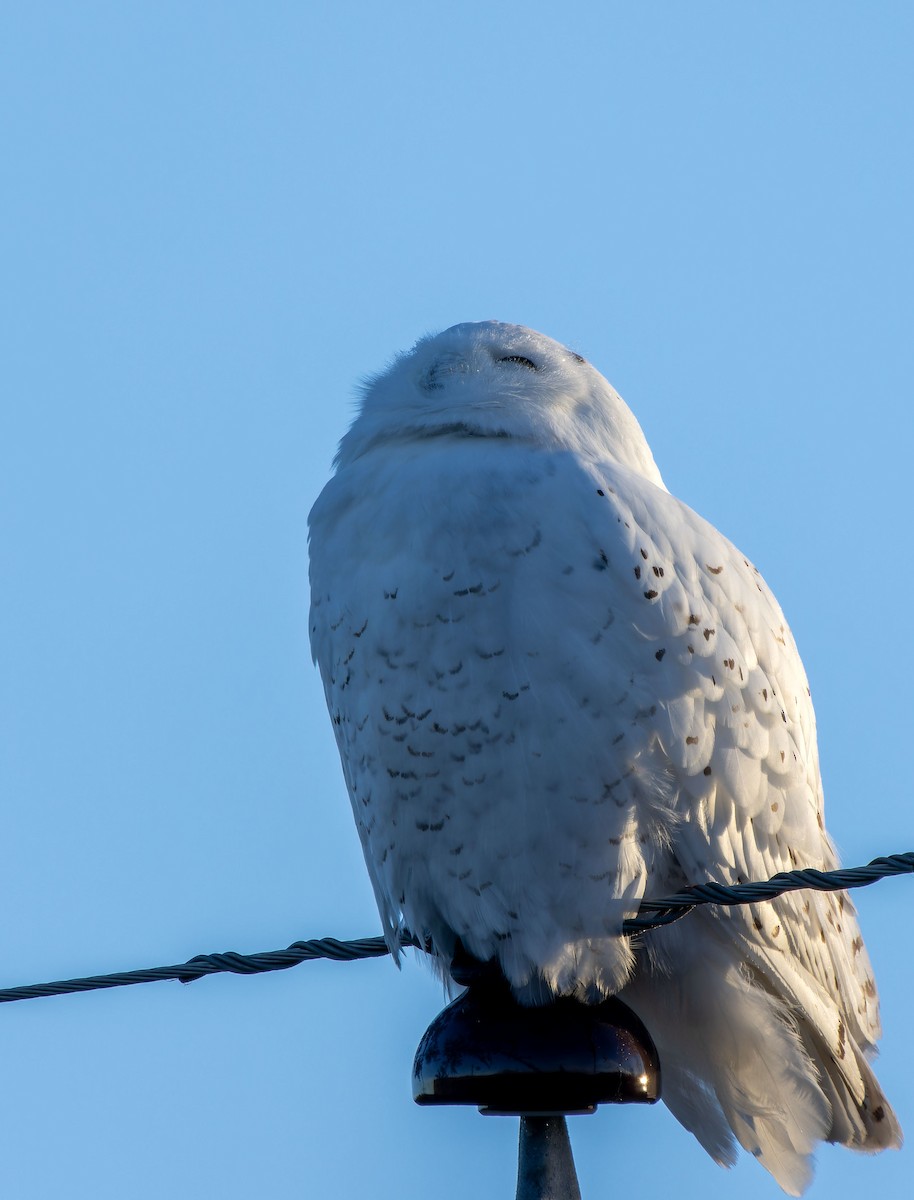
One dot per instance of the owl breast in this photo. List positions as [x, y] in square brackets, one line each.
[492, 718]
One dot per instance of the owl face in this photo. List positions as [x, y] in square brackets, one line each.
[494, 380]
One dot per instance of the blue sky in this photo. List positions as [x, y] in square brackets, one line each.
[217, 218]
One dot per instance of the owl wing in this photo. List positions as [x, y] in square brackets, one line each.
[736, 724]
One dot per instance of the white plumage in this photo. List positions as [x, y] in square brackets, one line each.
[556, 690]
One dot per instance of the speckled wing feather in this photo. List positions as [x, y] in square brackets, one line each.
[736, 724]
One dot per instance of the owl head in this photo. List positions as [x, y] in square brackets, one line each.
[488, 379]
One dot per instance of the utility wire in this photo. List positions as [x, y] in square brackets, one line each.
[652, 914]
[209, 964]
[672, 908]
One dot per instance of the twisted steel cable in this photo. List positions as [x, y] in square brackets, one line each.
[672, 908]
[652, 914]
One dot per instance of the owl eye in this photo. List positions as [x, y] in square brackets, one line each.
[520, 360]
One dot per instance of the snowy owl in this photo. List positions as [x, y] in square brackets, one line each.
[557, 690]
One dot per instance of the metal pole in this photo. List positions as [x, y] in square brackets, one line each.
[545, 1166]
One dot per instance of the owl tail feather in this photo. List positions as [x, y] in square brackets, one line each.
[734, 1067]
[862, 1118]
